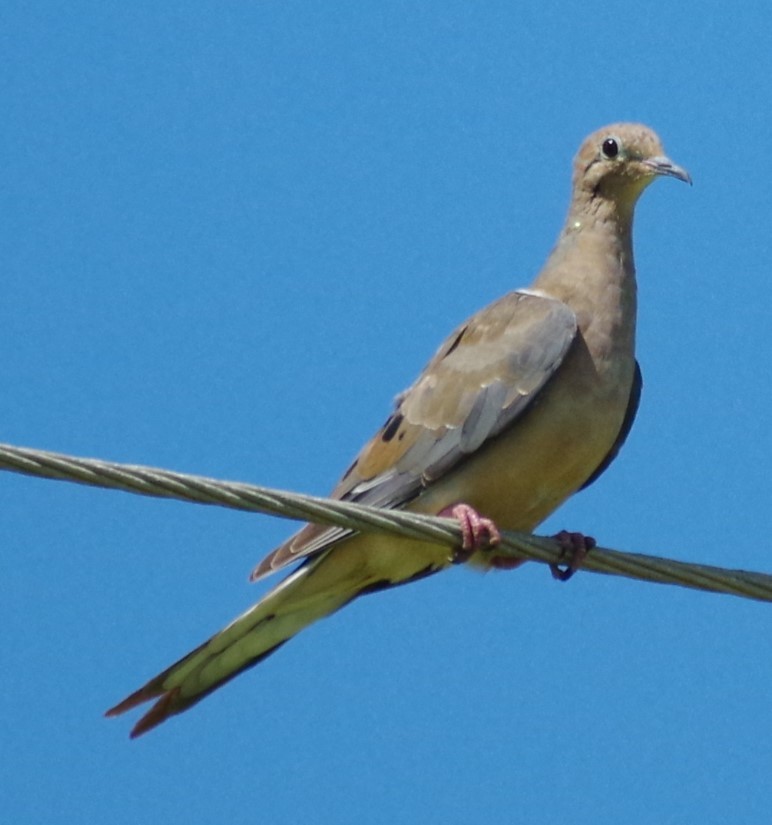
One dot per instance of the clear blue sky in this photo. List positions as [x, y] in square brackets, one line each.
[230, 233]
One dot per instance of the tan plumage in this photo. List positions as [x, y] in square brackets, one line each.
[524, 404]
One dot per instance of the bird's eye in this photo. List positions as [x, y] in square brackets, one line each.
[610, 147]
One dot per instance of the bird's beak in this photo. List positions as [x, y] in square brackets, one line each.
[662, 165]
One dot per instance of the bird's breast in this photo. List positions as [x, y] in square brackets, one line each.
[522, 475]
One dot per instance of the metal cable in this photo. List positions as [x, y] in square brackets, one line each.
[151, 481]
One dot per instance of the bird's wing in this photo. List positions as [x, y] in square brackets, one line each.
[481, 379]
[627, 423]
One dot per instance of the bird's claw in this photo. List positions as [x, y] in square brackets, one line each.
[477, 532]
[575, 546]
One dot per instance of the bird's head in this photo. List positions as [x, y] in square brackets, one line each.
[619, 161]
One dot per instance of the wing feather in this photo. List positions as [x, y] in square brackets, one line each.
[486, 373]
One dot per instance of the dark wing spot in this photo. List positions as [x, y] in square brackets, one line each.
[456, 342]
[350, 470]
[391, 426]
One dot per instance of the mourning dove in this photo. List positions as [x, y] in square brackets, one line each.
[524, 404]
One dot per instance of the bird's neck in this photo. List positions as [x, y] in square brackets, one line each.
[591, 269]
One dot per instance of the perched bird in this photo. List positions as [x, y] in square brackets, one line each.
[524, 404]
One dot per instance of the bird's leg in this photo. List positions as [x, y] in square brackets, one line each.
[574, 545]
[477, 532]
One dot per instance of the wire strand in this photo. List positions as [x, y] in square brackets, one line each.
[152, 481]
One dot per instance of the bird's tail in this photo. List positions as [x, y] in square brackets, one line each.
[313, 591]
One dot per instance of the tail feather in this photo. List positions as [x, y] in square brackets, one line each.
[171, 702]
[320, 586]
[296, 602]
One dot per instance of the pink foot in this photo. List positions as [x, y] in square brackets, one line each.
[575, 545]
[478, 532]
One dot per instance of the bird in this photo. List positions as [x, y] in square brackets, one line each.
[524, 404]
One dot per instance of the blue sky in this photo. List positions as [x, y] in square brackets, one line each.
[231, 233]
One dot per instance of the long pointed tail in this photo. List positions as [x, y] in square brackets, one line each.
[306, 595]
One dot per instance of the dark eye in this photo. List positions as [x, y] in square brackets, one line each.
[610, 148]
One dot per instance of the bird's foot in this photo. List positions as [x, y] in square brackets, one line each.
[477, 532]
[576, 546]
